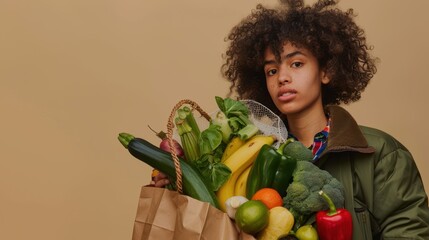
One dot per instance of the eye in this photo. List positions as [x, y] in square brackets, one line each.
[271, 72]
[296, 64]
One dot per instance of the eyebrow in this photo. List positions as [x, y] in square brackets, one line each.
[289, 55]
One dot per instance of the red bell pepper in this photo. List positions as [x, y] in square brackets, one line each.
[334, 224]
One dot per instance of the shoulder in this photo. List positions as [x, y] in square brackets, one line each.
[382, 141]
[390, 156]
[345, 131]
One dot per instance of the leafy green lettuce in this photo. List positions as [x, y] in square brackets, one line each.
[231, 120]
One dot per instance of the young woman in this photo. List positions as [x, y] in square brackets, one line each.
[302, 62]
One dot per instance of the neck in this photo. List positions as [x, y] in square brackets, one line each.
[305, 125]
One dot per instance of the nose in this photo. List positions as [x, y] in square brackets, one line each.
[284, 75]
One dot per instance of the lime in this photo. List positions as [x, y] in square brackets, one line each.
[298, 151]
[306, 232]
[252, 216]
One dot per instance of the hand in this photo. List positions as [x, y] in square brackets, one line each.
[159, 179]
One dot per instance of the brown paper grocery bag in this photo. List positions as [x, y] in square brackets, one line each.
[166, 215]
[163, 215]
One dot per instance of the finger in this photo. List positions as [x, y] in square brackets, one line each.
[162, 182]
[159, 176]
[162, 175]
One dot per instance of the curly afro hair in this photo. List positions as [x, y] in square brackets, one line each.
[330, 34]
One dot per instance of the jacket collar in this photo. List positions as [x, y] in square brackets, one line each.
[345, 134]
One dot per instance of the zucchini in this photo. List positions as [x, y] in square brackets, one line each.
[193, 183]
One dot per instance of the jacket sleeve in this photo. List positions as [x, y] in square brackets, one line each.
[400, 201]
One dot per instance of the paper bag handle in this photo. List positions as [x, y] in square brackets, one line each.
[170, 126]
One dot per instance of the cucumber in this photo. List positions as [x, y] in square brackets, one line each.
[193, 184]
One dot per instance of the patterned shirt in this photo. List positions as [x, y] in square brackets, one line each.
[320, 140]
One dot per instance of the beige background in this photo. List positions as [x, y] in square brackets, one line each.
[73, 74]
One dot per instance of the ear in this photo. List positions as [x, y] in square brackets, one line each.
[325, 77]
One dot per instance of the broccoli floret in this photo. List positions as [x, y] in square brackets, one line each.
[302, 196]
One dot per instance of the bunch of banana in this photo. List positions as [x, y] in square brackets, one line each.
[233, 145]
[240, 185]
[239, 161]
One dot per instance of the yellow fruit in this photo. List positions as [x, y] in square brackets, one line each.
[239, 159]
[280, 223]
[232, 146]
[252, 216]
[238, 162]
[307, 232]
[240, 185]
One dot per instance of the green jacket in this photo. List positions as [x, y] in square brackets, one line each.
[384, 190]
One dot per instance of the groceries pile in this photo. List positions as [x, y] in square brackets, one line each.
[266, 184]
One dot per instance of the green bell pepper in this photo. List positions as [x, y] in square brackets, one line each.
[271, 169]
[284, 174]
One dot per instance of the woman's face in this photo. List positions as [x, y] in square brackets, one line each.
[295, 82]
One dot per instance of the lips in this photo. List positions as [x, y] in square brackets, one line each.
[287, 94]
